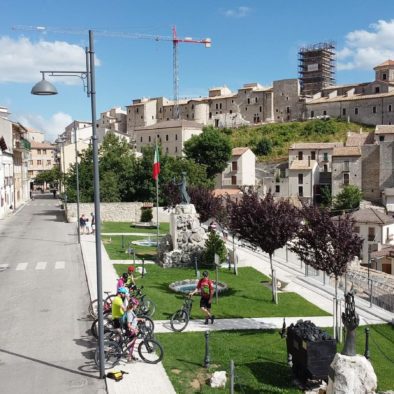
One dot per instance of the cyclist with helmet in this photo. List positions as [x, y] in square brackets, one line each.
[119, 305]
[130, 280]
[132, 324]
[122, 281]
[205, 288]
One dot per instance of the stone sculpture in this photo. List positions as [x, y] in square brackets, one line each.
[350, 321]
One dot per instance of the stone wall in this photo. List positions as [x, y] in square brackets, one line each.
[370, 173]
[115, 212]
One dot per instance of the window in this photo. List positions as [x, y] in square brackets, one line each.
[234, 166]
[31, 162]
[313, 155]
[300, 191]
[371, 233]
[38, 151]
[233, 180]
[248, 100]
[44, 151]
[136, 110]
[390, 108]
[312, 114]
[217, 106]
[261, 109]
[192, 106]
[220, 106]
[343, 111]
[384, 76]
[277, 189]
[176, 137]
[48, 162]
[325, 156]
[287, 110]
[300, 155]
[346, 165]
[374, 110]
[325, 168]
[39, 162]
[356, 229]
[176, 149]
[149, 139]
[167, 149]
[246, 108]
[300, 179]
[210, 115]
[231, 111]
[377, 89]
[255, 100]
[166, 137]
[141, 139]
[346, 179]
[324, 112]
[381, 138]
[356, 111]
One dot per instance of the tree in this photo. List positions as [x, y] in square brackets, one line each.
[263, 222]
[212, 148]
[214, 245]
[207, 205]
[349, 198]
[326, 243]
[52, 176]
[263, 147]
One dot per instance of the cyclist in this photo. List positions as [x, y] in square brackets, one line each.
[205, 288]
[122, 281]
[132, 325]
[119, 305]
[130, 279]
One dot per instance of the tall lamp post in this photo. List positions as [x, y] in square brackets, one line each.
[77, 175]
[45, 88]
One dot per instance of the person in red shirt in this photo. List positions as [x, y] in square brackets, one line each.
[205, 288]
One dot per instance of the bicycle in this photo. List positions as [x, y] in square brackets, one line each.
[180, 319]
[107, 305]
[149, 349]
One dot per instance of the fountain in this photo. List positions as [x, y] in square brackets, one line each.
[187, 285]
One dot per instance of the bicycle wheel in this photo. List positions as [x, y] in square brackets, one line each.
[112, 354]
[149, 325]
[107, 326]
[179, 320]
[147, 307]
[150, 351]
[93, 310]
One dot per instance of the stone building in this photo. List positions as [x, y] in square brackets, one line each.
[43, 158]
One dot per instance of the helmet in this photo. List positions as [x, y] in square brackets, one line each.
[205, 274]
[134, 301]
[131, 268]
[122, 290]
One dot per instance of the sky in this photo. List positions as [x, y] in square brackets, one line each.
[252, 41]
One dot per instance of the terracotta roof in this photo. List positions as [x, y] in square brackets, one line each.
[239, 151]
[358, 139]
[223, 192]
[384, 129]
[41, 145]
[168, 124]
[302, 164]
[385, 64]
[347, 151]
[370, 215]
[315, 145]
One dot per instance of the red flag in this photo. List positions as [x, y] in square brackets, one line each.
[156, 165]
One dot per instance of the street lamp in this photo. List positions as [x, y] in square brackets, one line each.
[45, 88]
[77, 175]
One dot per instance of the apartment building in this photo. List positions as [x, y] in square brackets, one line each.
[43, 158]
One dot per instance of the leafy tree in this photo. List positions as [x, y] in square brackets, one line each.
[214, 245]
[326, 196]
[212, 148]
[146, 215]
[109, 188]
[348, 198]
[207, 205]
[263, 147]
[263, 222]
[326, 244]
[52, 176]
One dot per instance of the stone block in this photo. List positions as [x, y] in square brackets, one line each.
[218, 379]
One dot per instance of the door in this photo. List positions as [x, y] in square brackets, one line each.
[386, 268]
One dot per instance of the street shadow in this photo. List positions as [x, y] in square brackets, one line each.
[49, 364]
[190, 362]
[58, 214]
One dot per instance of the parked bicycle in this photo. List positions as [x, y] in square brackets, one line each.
[180, 319]
[149, 349]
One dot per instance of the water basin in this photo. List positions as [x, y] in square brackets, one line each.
[188, 285]
[145, 242]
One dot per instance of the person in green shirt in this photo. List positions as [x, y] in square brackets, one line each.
[119, 306]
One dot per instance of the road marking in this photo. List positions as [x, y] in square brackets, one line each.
[59, 265]
[21, 266]
[3, 267]
[41, 265]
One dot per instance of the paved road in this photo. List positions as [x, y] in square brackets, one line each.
[44, 341]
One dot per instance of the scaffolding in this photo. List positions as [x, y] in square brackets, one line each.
[316, 67]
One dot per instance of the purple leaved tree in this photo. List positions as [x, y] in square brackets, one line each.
[327, 244]
[263, 222]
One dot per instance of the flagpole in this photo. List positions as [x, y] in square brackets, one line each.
[157, 215]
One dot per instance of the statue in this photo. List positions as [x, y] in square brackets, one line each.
[185, 198]
[350, 321]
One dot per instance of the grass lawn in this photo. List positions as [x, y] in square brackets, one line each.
[246, 296]
[126, 227]
[260, 359]
[116, 252]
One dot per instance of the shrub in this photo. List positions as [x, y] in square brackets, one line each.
[146, 215]
[214, 245]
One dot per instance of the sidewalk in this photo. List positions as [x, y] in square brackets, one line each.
[145, 378]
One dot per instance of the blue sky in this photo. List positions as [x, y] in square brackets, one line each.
[252, 41]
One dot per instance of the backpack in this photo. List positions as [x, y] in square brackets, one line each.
[116, 375]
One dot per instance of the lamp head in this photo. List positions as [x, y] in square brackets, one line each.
[43, 88]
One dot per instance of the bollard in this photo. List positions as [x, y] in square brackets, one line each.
[122, 241]
[324, 278]
[232, 377]
[195, 265]
[370, 293]
[207, 359]
[143, 267]
[287, 254]
[334, 319]
[340, 322]
[366, 353]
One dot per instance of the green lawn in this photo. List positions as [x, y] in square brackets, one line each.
[260, 359]
[113, 246]
[126, 227]
[246, 297]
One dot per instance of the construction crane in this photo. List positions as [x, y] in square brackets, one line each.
[106, 33]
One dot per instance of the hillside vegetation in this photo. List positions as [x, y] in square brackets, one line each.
[271, 142]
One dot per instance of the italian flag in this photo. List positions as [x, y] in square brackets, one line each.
[156, 165]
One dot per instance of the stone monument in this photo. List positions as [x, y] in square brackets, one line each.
[351, 373]
[187, 241]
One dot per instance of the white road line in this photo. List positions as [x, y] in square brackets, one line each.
[21, 266]
[59, 265]
[41, 265]
[3, 267]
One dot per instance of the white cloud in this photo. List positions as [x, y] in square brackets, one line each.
[52, 127]
[365, 49]
[22, 60]
[239, 12]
